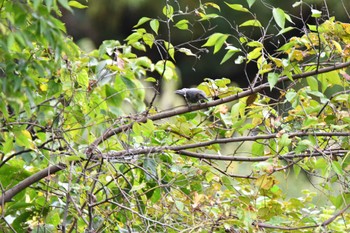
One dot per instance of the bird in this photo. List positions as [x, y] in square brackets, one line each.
[192, 95]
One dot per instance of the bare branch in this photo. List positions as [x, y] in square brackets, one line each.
[150, 150]
[262, 158]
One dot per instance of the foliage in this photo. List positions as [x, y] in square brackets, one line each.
[84, 146]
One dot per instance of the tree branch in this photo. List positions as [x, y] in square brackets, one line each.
[7, 195]
[261, 158]
[150, 150]
[169, 113]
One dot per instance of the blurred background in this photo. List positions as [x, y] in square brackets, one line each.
[110, 19]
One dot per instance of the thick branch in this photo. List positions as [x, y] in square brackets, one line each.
[7, 195]
[261, 158]
[150, 150]
[169, 113]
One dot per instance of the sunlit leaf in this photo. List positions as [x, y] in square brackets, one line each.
[76, 4]
[252, 23]
[284, 30]
[154, 23]
[272, 79]
[279, 16]
[216, 40]
[214, 5]
[316, 13]
[168, 11]
[250, 3]
[142, 21]
[231, 51]
[237, 7]
[182, 24]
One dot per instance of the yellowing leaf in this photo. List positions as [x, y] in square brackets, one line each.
[43, 87]
[265, 182]
[76, 5]
[237, 7]
[23, 138]
[297, 55]
[254, 54]
[252, 23]
[170, 48]
[214, 5]
[168, 11]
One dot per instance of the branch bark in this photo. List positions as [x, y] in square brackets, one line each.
[7, 195]
[150, 150]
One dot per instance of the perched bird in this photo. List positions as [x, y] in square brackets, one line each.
[192, 95]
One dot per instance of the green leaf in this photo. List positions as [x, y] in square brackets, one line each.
[297, 170]
[309, 122]
[272, 78]
[227, 182]
[214, 5]
[113, 97]
[252, 23]
[290, 96]
[63, 3]
[208, 16]
[254, 54]
[179, 205]
[170, 48]
[187, 51]
[83, 78]
[316, 13]
[216, 40]
[76, 5]
[258, 148]
[312, 82]
[154, 25]
[142, 21]
[169, 73]
[231, 51]
[337, 168]
[73, 158]
[8, 145]
[255, 44]
[168, 11]
[23, 138]
[182, 24]
[148, 38]
[237, 7]
[279, 16]
[284, 140]
[53, 217]
[284, 30]
[136, 36]
[296, 4]
[250, 3]
[156, 195]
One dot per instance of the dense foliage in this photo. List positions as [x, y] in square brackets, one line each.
[85, 146]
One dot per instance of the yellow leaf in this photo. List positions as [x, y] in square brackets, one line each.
[266, 182]
[43, 87]
[297, 55]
